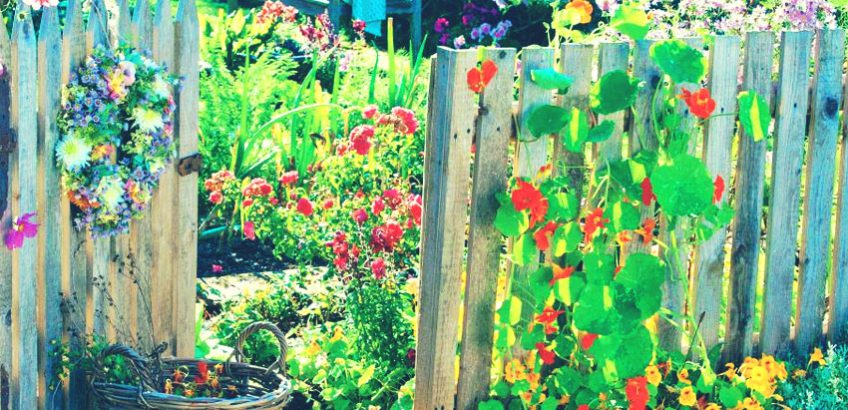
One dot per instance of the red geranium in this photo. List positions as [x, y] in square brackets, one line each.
[289, 178]
[377, 206]
[548, 318]
[360, 139]
[700, 103]
[378, 268]
[543, 236]
[359, 215]
[648, 196]
[304, 206]
[385, 237]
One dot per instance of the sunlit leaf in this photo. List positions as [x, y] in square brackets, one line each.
[631, 21]
[754, 114]
[683, 187]
[681, 62]
[546, 120]
[577, 131]
[551, 79]
[602, 131]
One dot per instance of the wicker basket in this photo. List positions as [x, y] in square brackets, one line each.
[257, 388]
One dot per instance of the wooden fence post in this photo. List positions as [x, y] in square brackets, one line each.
[50, 238]
[452, 110]
[818, 191]
[5, 197]
[576, 62]
[792, 104]
[838, 301]
[187, 34]
[611, 57]
[494, 128]
[748, 203]
[23, 69]
[718, 136]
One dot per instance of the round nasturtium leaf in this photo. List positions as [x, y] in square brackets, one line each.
[641, 273]
[551, 79]
[631, 21]
[594, 312]
[615, 91]
[681, 62]
[623, 215]
[635, 355]
[683, 187]
[510, 222]
[546, 120]
[566, 239]
[602, 131]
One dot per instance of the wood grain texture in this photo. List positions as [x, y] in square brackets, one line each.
[790, 130]
[74, 260]
[641, 133]
[447, 157]
[611, 57]
[50, 237]
[124, 34]
[748, 205]
[23, 69]
[530, 157]
[718, 136]
[142, 25]
[187, 60]
[837, 331]
[491, 166]
[162, 265]
[818, 190]
[576, 62]
[5, 257]
[97, 32]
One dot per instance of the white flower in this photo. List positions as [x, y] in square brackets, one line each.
[147, 120]
[160, 87]
[38, 4]
[110, 192]
[73, 152]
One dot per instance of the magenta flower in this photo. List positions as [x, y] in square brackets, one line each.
[22, 228]
[441, 25]
[217, 269]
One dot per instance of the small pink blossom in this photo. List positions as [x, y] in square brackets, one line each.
[22, 228]
[217, 268]
[38, 4]
[304, 206]
[360, 216]
[249, 230]
[378, 268]
[370, 111]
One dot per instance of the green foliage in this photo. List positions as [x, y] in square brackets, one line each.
[683, 187]
[754, 114]
[679, 61]
[819, 387]
[632, 21]
[616, 91]
[551, 79]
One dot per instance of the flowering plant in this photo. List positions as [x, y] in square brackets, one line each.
[116, 123]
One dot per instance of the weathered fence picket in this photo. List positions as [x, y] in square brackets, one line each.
[732, 303]
[66, 285]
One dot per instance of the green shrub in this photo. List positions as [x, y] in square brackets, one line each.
[819, 387]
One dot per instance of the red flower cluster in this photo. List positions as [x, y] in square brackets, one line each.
[594, 222]
[360, 139]
[347, 256]
[304, 206]
[416, 208]
[637, 393]
[378, 268]
[402, 119]
[258, 187]
[359, 215]
[215, 185]
[273, 10]
[548, 318]
[527, 197]
[289, 178]
[385, 237]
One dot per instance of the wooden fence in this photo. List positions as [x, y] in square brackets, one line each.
[805, 253]
[138, 288]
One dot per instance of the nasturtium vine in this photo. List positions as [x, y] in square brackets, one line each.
[681, 62]
[679, 196]
[546, 120]
[551, 79]
[754, 114]
[632, 21]
[616, 91]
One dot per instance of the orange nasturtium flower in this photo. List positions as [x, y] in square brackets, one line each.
[700, 103]
[581, 8]
[817, 357]
[560, 273]
[548, 318]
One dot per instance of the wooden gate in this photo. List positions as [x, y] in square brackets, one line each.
[805, 251]
[138, 288]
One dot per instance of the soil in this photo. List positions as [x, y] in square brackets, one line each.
[238, 257]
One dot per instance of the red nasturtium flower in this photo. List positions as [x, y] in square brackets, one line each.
[588, 340]
[527, 197]
[637, 393]
[583, 407]
[546, 355]
[718, 189]
[648, 196]
[647, 230]
[594, 221]
[700, 103]
[202, 373]
[543, 236]
[560, 273]
[479, 77]
[548, 318]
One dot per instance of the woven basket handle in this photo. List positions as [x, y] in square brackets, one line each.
[137, 363]
[238, 352]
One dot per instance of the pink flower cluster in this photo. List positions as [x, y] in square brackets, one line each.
[258, 187]
[400, 120]
[385, 237]
[273, 10]
[347, 255]
[216, 183]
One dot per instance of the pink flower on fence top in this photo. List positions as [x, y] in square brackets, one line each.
[38, 4]
[22, 228]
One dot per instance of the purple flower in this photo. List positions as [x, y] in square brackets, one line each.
[443, 40]
[475, 34]
[485, 29]
[23, 228]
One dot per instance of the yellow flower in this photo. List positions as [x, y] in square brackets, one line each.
[513, 371]
[799, 373]
[751, 404]
[683, 376]
[337, 335]
[581, 9]
[817, 357]
[652, 373]
[313, 349]
[730, 373]
[712, 406]
[147, 120]
[687, 396]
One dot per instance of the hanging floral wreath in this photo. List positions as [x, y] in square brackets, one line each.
[116, 137]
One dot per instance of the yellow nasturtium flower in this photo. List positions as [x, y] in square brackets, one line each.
[817, 357]
[687, 396]
[683, 376]
[581, 9]
[652, 373]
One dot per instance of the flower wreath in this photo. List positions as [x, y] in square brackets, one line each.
[116, 137]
